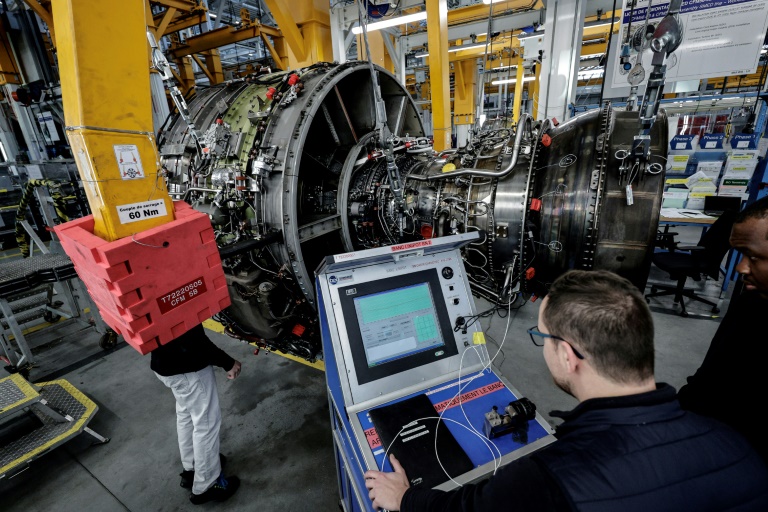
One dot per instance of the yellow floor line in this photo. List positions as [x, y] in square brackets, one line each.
[215, 326]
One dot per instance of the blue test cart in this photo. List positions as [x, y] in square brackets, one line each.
[389, 320]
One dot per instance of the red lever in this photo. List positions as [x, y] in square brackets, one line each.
[530, 273]
[546, 140]
[293, 79]
[271, 93]
[535, 205]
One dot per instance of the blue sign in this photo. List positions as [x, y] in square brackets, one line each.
[682, 143]
[745, 140]
[712, 141]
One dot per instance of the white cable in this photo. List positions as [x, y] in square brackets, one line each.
[482, 438]
[496, 461]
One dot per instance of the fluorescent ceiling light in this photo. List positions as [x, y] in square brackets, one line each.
[392, 22]
[212, 15]
[601, 23]
[421, 55]
[465, 47]
[512, 80]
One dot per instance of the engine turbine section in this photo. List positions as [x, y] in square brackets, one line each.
[263, 158]
[545, 198]
[290, 169]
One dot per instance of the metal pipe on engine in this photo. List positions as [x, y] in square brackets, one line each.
[525, 118]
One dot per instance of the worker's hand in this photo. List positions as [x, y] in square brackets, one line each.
[235, 371]
[386, 490]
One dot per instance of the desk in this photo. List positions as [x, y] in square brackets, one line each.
[687, 221]
[733, 256]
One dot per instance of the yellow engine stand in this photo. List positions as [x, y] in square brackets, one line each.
[104, 67]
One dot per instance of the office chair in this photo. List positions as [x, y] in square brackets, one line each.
[703, 259]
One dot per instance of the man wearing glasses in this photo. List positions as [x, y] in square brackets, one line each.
[626, 446]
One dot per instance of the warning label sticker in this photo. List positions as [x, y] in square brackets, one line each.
[411, 245]
[181, 295]
[129, 161]
[141, 211]
[373, 438]
[469, 396]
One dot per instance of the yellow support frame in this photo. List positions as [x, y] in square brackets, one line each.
[464, 97]
[306, 28]
[108, 111]
[519, 88]
[437, 36]
[379, 54]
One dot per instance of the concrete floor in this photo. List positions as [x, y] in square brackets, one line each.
[275, 431]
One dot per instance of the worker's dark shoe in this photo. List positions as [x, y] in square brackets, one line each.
[221, 490]
[187, 477]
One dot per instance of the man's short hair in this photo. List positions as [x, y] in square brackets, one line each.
[608, 320]
[756, 210]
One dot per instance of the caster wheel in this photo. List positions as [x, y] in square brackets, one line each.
[715, 309]
[51, 317]
[108, 340]
[684, 314]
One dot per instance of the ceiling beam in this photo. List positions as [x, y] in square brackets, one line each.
[220, 37]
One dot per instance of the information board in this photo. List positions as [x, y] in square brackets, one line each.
[720, 38]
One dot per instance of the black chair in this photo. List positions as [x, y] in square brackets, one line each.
[701, 260]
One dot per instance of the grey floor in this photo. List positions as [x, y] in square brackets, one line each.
[275, 431]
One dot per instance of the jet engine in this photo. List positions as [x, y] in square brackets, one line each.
[291, 167]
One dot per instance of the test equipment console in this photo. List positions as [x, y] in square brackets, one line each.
[392, 333]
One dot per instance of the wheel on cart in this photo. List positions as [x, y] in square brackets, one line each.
[50, 316]
[108, 339]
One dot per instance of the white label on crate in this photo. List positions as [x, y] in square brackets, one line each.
[129, 161]
[630, 196]
[681, 145]
[710, 144]
[141, 211]
[742, 144]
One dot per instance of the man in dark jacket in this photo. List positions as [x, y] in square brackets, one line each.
[627, 446]
[186, 366]
[728, 383]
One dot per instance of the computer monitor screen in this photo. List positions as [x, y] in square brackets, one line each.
[722, 203]
[396, 324]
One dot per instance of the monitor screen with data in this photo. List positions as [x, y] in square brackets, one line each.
[396, 324]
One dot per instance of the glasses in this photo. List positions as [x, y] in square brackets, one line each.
[535, 333]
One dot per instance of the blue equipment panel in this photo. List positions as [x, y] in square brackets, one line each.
[479, 393]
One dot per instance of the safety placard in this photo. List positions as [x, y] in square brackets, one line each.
[181, 295]
[129, 161]
[141, 211]
[720, 38]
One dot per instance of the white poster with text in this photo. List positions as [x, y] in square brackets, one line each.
[720, 38]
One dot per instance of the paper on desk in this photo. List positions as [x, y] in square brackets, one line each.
[682, 213]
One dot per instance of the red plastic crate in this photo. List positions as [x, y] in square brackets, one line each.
[155, 285]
